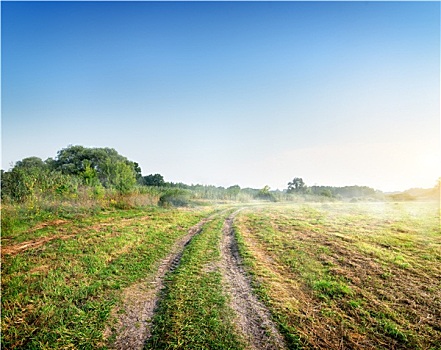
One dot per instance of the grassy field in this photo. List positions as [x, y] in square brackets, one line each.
[348, 275]
[337, 275]
[60, 279]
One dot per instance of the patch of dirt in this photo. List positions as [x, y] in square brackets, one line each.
[38, 269]
[134, 316]
[57, 222]
[21, 247]
[253, 319]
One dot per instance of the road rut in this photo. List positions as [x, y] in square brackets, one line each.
[253, 319]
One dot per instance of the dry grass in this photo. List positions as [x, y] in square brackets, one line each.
[349, 276]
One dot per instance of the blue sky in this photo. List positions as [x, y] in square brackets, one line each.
[223, 93]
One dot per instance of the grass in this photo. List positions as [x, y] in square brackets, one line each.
[357, 275]
[193, 313]
[59, 294]
[333, 275]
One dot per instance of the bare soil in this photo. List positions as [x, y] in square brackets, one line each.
[253, 319]
[21, 247]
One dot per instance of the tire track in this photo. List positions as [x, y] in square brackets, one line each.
[134, 316]
[253, 319]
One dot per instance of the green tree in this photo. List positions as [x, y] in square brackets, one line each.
[326, 193]
[154, 180]
[138, 173]
[120, 175]
[233, 191]
[32, 164]
[17, 185]
[297, 185]
[106, 165]
[265, 194]
[89, 174]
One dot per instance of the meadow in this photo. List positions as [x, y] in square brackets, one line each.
[348, 275]
[331, 275]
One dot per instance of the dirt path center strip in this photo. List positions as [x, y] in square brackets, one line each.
[134, 316]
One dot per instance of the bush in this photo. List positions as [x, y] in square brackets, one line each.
[174, 197]
[266, 195]
[22, 184]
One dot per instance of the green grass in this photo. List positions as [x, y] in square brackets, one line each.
[361, 275]
[60, 295]
[357, 274]
[194, 312]
[327, 288]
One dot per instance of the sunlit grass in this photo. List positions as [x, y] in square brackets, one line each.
[60, 294]
[353, 274]
[361, 275]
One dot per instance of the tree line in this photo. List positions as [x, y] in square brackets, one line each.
[104, 169]
[298, 186]
[98, 168]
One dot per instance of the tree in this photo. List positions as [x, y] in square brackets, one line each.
[17, 185]
[105, 165]
[120, 175]
[297, 185]
[31, 163]
[233, 191]
[265, 194]
[154, 180]
[326, 193]
[89, 174]
[137, 169]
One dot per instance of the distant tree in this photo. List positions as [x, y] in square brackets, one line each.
[24, 179]
[17, 185]
[344, 192]
[265, 194]
[175, 184]
[297, 185]
[233, 191]
[265, 190]
[154, 180]
[326, 193]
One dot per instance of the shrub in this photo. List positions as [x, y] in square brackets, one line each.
[174, 197]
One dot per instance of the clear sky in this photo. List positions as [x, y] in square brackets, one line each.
[224, 93]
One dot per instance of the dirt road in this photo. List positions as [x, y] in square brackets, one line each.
[252, 319]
